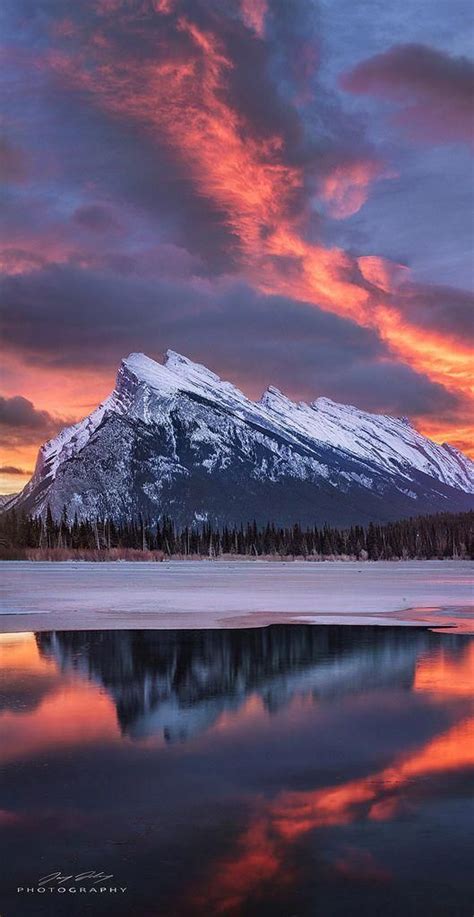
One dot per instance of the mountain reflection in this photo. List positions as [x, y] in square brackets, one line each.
[178, 683]
[330, 771]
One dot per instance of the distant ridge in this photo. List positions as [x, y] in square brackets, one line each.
[174, 439]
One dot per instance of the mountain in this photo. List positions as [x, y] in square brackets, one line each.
[5, 499]
[178, 683]
[175, 440]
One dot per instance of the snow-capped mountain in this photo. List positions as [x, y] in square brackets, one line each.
[174, 439]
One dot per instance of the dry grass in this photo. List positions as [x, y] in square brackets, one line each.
[84, 554]
[135, 554]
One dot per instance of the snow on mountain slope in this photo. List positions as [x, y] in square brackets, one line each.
[390, 442]
[387, 441]
[174, 438]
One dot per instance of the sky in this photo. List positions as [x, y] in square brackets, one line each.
[279, 189]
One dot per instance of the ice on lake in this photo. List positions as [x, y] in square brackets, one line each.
[71, 595]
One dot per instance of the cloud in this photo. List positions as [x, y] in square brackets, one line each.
[197, 157]
[180, 92]
[21, 423]
[345, 189]
[247, 114]
[19, 412]
[382, 273]
[253, 14]
[11, 469]
[251, 338]
[13, 162]
[435, 91]
[95, 217]
[385, 387]
[445, 309]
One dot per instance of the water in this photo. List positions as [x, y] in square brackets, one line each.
[291, 771]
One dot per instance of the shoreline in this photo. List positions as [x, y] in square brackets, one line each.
[254, 593]
[133, 556]
[439, 620]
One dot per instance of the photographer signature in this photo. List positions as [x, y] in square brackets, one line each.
[58, 878]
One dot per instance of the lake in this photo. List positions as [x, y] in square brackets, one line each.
[206, 594]
[287, 771]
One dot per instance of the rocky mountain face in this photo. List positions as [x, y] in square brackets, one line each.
[6, 499]
[175, 440]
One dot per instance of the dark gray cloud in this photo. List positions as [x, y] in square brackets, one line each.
[136, 166]
[435, 89]
[95, 217]
[388, 387]
[13, 162]
[146, 257]
[21, 423]
[253, 340]
[85, 151]
[20, 412]
[444, 309]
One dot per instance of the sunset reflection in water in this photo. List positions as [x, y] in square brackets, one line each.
[271, 769]
[262, 850]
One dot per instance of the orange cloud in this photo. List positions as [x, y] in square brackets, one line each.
[382, 273]
[258, 861]
[58, 392]
[253, 14]
[30, 254]
[179, 98]
[346, 189]
[443, 359]
[163, 6]
[262, 851]
[62, 719]
[444, 677]
[458, 433]
[20, 651]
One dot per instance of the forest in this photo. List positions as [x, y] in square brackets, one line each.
[445, 535]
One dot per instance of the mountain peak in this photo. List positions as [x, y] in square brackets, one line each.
[174, 437]
[174, 365]
[138, 362]
[324, 402]
[273, 398]
[177, 374]
[173, 359]
[184, 367]
[144, 369]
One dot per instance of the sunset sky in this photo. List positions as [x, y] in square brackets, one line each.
[280, 189]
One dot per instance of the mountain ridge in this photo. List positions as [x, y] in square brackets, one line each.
[174, 439]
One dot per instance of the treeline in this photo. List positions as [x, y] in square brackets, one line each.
[443, 535]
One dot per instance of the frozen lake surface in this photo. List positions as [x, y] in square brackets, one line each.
[179, 594]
